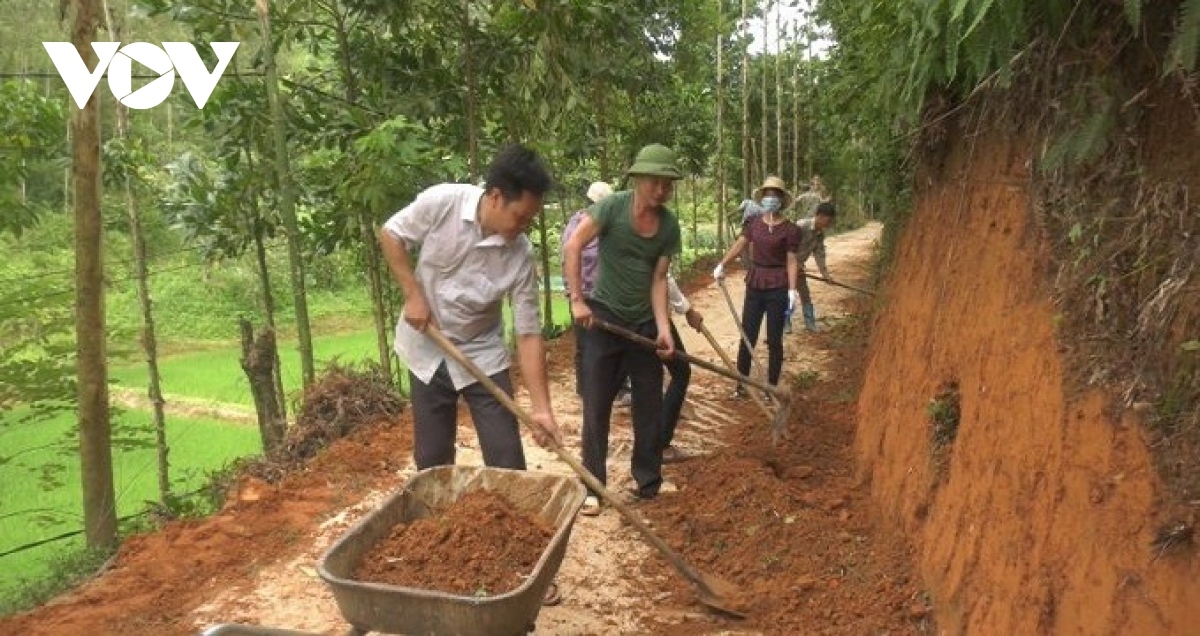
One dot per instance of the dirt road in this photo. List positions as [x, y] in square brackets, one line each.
[611, 581]
[789, 523]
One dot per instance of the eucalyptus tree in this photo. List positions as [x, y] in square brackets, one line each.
[287, 189]
[95, 430]
[745, 93]
[764, 116]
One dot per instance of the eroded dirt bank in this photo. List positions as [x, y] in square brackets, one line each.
[1039, 513]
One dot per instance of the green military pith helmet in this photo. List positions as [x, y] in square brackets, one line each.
[655, 160]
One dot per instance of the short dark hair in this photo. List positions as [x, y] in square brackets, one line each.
[517, 169]
[827, 208]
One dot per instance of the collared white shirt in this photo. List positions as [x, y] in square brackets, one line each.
[466, 278]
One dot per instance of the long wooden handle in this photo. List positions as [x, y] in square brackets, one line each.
[588, 478]
[737, 322]
[729, 363]
[837, 284]
[703, 364]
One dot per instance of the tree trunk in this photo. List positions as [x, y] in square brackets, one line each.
[796, 108]
[811, 103]
[264, 278]
[746, 164]
[600, 99]
[375, 281]
[149, 338]
[721, 202]
[778, 98]
[95, 430]
[366, 229]
[264, 274]
[763, 118]
[695, 212]
[258, 361]
[471, 97]
[547, 292]
[288, 195]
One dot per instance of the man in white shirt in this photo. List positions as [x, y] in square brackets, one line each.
[472, 253]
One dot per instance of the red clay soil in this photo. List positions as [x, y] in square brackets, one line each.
[1046, 517]
[478, 545]
[789, 525]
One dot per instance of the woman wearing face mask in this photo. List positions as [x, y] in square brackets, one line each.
[771, 278]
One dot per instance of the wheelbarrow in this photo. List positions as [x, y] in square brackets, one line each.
[377, 607]
[390, 609]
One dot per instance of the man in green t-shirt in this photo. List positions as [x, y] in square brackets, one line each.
[638, 238]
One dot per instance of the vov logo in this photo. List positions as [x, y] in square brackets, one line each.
[177, 56]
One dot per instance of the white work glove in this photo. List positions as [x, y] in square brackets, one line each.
[719, 271]
[792, 296]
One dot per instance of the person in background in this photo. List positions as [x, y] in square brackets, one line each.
[771, 279]
[810, 197]
[589, 258]
[812, 243]
[749, 208]
[638, 236]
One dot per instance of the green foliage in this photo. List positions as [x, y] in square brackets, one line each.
[125, 158]
[377, 174]
[1186, 41]
[205, 203]
[31, 139]
[37, 345]
[1133, 13]
[944, 411]
[957, 44]
[64, 568]
[1085, 125]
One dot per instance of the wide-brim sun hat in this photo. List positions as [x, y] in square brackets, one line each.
[598, 190]
[655, 160]
[773, 183]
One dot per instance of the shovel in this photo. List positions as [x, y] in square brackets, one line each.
[711, 590]
[780, 417]
[837, 284]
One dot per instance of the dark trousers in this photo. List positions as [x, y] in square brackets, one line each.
[605, 355]
[802, 287]
[435, 415]
[771, 303]
[580, 343]
[681, 375]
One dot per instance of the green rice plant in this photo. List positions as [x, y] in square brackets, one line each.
[41, 498]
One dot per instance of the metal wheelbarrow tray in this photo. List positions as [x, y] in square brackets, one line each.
[402, 610]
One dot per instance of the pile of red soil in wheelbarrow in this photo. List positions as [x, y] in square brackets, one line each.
[479, 545]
